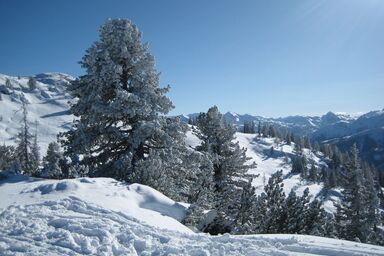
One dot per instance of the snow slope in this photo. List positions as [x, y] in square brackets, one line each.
[259, 150]
[104, 217]
[47, 106]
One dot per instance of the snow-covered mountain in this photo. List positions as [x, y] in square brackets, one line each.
[100, 216]
[47, 106]
[300, 125]
[341, 129]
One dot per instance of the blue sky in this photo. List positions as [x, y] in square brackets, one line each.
[272, 58]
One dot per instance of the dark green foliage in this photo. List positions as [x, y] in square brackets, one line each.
[7, 157]
[51, 162]
[274, 204]
[299, 165]
[249, 127]
[274, 213]
[32, 84]
[229, 167]
[356, 215]
[24, 147]
[244, 218]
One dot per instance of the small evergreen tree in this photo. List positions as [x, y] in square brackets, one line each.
[23, 149]
[259, 129]
[51, 162]
[244, 220]
[229, 167]
[35, 152]
[32, 84]
[8, 84]
[356, 214]
[249, 127]
[313, 173]
[288, 138]
[273, 221]
[7, 157]
[299, 165]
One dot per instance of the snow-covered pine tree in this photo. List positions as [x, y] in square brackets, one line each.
[355, 219]
[35, 152]
[258, 214]
[307, 143]
[376, 234]
[175, 169]
[299, 165]
[229, 167]
[271, 131]
[288, 138]
[249, 127]
[200, 186]
[7, 157]
[315, 219]
[32, 84]
[303, 216]
[259, 129]
[23, 149]
[8, 84]
[119, 104]
[273, 221]
[294, 212]
[244, 219]
[313, 173]
[51, 167]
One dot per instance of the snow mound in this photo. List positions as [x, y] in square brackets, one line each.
[138, 201]
[71, 226]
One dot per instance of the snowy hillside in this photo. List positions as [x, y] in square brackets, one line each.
[104, 217]
[341, 129]
[259, 150]
[47, 106]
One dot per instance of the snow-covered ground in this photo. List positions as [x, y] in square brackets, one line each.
[101, 216]
[47, 107]
[138, 201]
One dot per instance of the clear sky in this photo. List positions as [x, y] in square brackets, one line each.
[265, 57]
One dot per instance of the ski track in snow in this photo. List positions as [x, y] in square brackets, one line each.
[71, 226]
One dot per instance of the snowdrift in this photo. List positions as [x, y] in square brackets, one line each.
[137, 201]
[100, 216]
